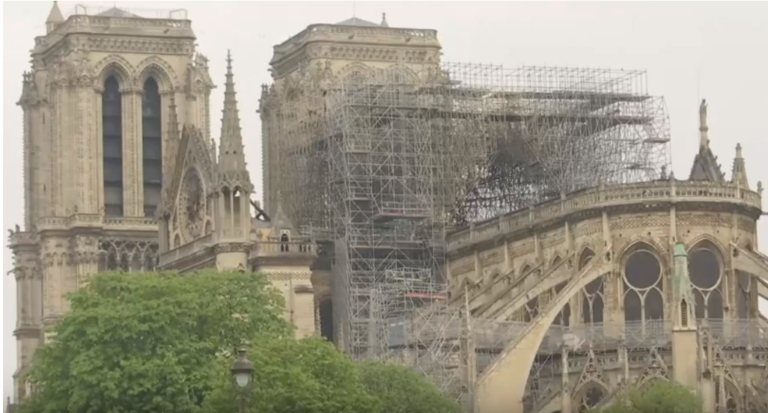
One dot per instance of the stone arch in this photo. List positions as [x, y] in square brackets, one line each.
[584, 249]
[720, 249]
[114, 65]
[502, 385]
[556, 258]
[661, 252]
[649, 381]
[410, 75]
[158, 69]
[644, 293]
[532, 293]
[354, 68]
[583, 389]
[527, 263]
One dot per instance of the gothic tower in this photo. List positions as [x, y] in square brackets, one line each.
[98, 101]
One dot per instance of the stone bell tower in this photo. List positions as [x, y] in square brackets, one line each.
[95, 112]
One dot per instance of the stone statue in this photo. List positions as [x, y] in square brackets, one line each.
[681, 280]
[703, 114]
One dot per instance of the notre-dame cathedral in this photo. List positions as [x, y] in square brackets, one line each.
[117, 137]
[601, 288]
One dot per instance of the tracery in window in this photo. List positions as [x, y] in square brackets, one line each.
[152, 156]
[112, 147]
[643, 286]
[705, 269]
[592, 302]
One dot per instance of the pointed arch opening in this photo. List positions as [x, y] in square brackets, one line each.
[706, 271]
[112, 147]
[152, 143]
[592, 298]
[326, 319]
[643, 286]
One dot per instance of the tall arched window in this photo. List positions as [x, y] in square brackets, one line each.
[326, 319]
[706, 272]
[592, 295]
[112, 139]
[153, 146]
[643, 285]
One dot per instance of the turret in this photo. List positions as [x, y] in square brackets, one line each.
[55, 18]
[739, 172]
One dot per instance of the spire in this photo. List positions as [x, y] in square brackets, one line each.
[684, 304]
[54, 18]
[703, 128]
[384, 20]
[231, 155]
[739, 171]
[705, 166]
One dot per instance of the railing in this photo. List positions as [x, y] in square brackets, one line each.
[496, 335]
[96, 220]
[379, 32]
[614, 195]
[186, 250]
[277, 248]
[93, 10]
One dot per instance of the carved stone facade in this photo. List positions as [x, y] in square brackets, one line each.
[617, 286]
[103, 159]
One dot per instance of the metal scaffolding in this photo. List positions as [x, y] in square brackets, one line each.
[377, 167]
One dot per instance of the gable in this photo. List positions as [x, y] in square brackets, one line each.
[706, 168]
[193, 153]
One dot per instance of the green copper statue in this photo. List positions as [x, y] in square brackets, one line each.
[681, 279]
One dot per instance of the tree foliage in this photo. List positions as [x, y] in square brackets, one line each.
[296, 376]
[149, 342]
[164, 342]
[402, 390]
[660, 397]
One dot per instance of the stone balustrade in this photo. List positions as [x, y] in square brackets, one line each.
[605, 197]
[277, 248]
[175, 254]
[96, 221]
[495, 335]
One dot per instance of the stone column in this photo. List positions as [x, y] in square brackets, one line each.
[133, 201]
[565, 396]
[98, 145]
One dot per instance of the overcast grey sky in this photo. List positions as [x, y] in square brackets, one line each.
[691, 51]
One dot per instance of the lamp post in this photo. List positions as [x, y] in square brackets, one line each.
[242, 372]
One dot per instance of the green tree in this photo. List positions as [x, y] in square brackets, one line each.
[660, 397]
[150, 342]
[403, 390]
[295, 376]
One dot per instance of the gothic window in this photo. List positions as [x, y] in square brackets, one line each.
[705, 270]
[564, 316]
[236, 203]
[591, 398]
[531, 310]
[592, 302]
[153, 148]
[643, 286]
[112, 139]
[284, 242]
[326, 319]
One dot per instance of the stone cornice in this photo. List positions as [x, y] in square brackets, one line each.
[657, 195]
[151, 36]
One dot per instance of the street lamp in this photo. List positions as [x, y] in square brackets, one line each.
[242, 372]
